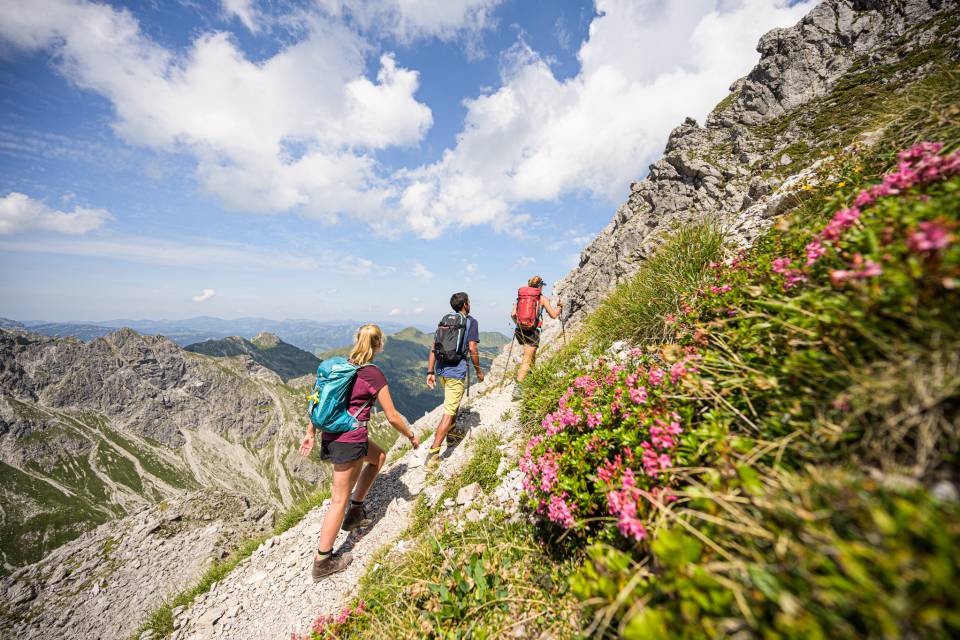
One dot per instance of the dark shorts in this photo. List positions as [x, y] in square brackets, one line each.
[527, 337]
[342, 452]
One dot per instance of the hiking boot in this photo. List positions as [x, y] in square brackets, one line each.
[331, 564]
[433, 458]
[357, 518]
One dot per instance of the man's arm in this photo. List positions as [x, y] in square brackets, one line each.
[431, 364]
[475, 356]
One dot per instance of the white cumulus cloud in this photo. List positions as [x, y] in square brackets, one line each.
[645, 65]
[294, 132]
[299, 131]
[204, 295]
[395, 311]
[19, 213]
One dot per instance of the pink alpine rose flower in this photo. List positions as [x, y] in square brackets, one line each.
[929, 236]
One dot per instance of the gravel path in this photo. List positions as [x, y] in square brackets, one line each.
[271, 594]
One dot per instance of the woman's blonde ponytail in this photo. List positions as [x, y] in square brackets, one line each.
[368, 341]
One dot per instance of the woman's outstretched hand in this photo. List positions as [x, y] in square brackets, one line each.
[414, 440]
[307, 445]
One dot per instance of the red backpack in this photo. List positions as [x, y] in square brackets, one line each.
[528, 307]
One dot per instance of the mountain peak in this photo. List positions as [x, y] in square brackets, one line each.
[410, 333]
[266, 340]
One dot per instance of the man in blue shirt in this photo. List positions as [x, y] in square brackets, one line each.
[452, 374]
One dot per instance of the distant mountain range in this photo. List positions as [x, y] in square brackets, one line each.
[265, 349]
[309, 335]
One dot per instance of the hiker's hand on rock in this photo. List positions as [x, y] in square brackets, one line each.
[414, 440]
[479, 375]
[307, 445]
[431, 380]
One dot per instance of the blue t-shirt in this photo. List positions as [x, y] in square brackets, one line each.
[459, 370]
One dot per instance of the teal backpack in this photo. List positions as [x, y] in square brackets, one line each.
[328, 399]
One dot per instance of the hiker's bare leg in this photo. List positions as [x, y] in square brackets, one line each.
[529, 355]
[344, 477]
[446, 423]
[374, 460]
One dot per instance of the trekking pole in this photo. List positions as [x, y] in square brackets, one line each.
[563, 327]
[506, 367]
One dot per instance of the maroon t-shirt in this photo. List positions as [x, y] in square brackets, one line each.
[366, 385]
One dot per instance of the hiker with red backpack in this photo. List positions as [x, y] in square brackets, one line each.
[527, 314]
[455, 340]
[340, 407]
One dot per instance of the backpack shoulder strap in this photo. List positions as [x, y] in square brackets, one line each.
[370, 400]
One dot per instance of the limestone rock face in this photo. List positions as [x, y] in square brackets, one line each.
[92, 431]
[105, 583]
[733, 170]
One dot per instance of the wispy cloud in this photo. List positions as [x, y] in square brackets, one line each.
[243, 10]
[420, 272]
[204, 295]
[19, 213]
[394, 312]
[191, 253]
[524, 261]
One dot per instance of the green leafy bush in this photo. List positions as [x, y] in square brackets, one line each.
[833, 341]
[828, 557]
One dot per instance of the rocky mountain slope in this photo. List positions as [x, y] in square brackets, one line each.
[266, 349]
[104, 582]
[747, 164]
[92, 431]
[272, 594]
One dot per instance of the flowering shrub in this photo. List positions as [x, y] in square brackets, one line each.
[872, 563]
[768, 345]
[608, 450]
[332, 627]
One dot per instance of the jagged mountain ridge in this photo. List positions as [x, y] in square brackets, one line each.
[91, 431]
[310, 335]
[744, 167]
[266, 349]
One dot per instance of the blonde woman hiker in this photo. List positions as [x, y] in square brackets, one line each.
[345, 391]
[527, 315]
[454, 342]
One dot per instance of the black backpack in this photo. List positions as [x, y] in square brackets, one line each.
[449, 342]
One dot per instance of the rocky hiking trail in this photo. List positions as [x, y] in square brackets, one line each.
[271, 594]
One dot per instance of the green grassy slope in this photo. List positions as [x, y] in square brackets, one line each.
[266, 349]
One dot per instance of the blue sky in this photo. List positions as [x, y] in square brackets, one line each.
[334, 159]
